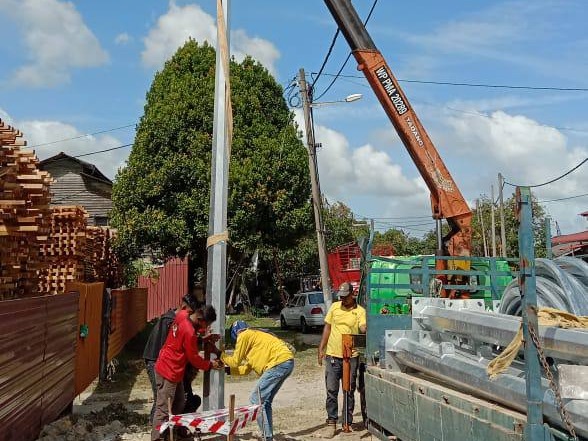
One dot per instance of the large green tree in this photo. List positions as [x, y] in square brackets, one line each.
[161, 197]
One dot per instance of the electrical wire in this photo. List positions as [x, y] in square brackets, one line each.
[82, 136]
[485, 85]
[551, 181]
[563, 199]
[349, 55]
[102, 151]
[329, 51]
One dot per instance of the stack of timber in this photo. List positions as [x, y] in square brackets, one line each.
[24, 209]
[63, 252]
[101, 261]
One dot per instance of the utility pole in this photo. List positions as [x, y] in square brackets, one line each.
[548, 250]
[481, 218]
[216, 272]
[493, 220]
[316, 192]
[502, 223]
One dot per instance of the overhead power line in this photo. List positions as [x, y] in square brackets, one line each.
[329, 51]
[83, 136]
[102, 151]
[551, 181]
[563, 199]
[465, 84]
[348, 56]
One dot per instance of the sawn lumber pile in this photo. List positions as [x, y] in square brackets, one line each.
[24, 209]
[63, 253]
[41, 248]
[101, 262]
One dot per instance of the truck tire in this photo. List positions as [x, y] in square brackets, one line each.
[283, 324]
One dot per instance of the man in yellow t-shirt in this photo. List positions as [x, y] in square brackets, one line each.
[343, 317]
[269, 357]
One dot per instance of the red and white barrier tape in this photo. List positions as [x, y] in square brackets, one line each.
[214, 421]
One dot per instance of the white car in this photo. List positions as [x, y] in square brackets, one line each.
[305, 309]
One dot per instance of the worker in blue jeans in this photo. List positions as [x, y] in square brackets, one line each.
[270, 357]
[343, 317]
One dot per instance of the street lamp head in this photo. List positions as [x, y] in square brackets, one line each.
[353, 97]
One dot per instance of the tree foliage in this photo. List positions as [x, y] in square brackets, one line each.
[161, 198]
[483, 216]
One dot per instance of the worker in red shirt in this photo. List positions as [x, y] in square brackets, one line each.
[180, 348]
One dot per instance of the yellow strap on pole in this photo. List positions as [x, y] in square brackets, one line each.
[216, 238]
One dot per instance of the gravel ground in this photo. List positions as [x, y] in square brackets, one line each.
[119, 410]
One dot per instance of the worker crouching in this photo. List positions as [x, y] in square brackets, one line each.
[270, 358]
[180, 348]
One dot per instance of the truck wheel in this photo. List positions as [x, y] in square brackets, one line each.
[303, 325]
[283, 324]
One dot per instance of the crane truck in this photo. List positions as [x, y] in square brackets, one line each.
[429, 343]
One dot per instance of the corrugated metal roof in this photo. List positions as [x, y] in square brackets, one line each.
[568, 238]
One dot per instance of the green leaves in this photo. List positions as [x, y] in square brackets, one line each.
[161, 198]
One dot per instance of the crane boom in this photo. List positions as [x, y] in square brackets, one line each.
[447, 201]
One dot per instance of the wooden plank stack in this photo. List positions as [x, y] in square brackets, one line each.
[24, 208]
[101, 261]
[63, 253]
[42, 248]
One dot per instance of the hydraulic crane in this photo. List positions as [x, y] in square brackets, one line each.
[447, 201]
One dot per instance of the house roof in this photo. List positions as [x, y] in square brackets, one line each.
[87, 169]
[569, 238]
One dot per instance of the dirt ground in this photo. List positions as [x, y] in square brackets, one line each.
[119, 410]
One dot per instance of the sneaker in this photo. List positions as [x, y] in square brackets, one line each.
[330, 430]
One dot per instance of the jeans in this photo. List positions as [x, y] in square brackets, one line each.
[333, 376]
[268, 385]
[150, 367]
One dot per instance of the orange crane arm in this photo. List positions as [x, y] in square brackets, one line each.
[447, 201]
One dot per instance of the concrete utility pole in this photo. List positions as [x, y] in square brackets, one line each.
[502, 223]
[493, 221]
[216, 275]
[481, 218]
[316, 192]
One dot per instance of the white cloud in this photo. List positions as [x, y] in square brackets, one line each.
[525, 152]
[37, 133]
[57, 40]
[182, 22]
[366, 178]
[122, 39]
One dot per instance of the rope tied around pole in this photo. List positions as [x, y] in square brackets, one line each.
[216, 238]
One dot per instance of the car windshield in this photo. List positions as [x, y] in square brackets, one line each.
[315, 298]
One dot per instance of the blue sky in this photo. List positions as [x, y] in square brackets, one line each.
[78, 67]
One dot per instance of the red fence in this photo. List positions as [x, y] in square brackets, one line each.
[166, 290]
[37, 361]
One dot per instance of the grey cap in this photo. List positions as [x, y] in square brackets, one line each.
[345, 289]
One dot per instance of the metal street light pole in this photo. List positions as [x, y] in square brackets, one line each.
[316, 193]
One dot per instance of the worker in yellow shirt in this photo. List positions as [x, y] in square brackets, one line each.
[269, 357]
[343, 317]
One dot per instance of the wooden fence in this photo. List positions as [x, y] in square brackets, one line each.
[89, 325]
